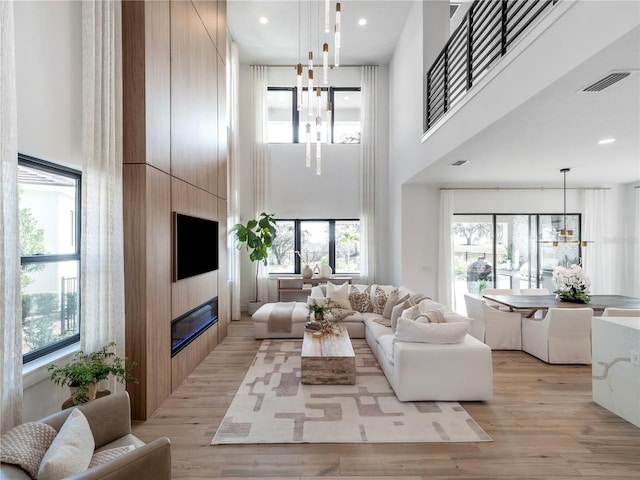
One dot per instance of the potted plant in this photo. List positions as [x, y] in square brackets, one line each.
[318, 311]
[84, 372]
[257, 237]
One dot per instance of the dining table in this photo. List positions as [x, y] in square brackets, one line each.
[532, 303]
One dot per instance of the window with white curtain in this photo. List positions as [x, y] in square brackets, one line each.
[49, 233]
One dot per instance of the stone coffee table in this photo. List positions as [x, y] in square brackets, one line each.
[328, 359]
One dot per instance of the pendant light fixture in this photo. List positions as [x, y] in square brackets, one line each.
[299, 66]
[338, 29]
[565, 235]
[327, 16]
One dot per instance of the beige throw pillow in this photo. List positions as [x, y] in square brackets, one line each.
[109, 454]
[339, 294]
[26, 444]
[360, 300]
[396, 313]
[71, 450]
[379, 300]
[432, 316]
[392, 300]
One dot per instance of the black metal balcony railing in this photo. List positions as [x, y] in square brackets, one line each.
[489, 29]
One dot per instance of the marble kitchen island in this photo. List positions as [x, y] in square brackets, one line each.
[616, 365]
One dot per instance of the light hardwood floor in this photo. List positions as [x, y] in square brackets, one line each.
[542, 420]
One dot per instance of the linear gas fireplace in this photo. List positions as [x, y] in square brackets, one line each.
[186, 328]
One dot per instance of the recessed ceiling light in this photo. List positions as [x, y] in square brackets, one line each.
[362, 21]
[264, 20]
[459, 163]
[604, 141]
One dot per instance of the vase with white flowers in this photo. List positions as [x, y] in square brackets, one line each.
[571, 284]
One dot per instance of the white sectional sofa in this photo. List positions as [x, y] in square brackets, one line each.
[423, 359]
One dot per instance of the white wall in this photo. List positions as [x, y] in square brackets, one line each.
[294, 190]
[49, 107]
[49, 79]
[416, 45]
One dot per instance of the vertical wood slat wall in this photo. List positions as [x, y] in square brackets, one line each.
[175, 147]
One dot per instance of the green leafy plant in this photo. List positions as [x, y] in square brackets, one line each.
[257, 237]
[89, 368]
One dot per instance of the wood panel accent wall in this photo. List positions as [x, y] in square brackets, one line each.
[194, 354]
[194, 99]
[174, 89]
[147, 260]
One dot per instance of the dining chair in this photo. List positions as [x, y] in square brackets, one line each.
[562, 336]
[502, 330]
[621, 312]
[534, 291]
[497, 291]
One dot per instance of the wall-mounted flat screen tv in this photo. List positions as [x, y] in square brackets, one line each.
[195, 246]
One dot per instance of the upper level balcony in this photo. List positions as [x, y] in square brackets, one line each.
[486, 34]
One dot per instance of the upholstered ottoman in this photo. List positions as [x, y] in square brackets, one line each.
[280, 320]
[270, 321]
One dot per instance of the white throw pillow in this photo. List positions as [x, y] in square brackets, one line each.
[317, 292]
[412, 312]
[71, 450]
[339, 294]
[427, 305]
[411, 331]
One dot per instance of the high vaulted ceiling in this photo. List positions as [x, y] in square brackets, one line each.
[557, 128]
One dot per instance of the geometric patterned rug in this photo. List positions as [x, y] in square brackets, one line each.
[272, 406]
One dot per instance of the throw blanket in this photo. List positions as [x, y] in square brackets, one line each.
[280, 317]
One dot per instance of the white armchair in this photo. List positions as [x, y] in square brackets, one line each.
[621, 312]
[497, 291]
[562, 336]
[503, 330]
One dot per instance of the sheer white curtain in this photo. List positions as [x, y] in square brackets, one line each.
[233, 175]
[102, 243]
[445, 256]
[260, 157]
[10, 325]
[634, 246]
[600, 257]
[368, 149]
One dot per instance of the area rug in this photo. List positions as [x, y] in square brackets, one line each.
[272, 406]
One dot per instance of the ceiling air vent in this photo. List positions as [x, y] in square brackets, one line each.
[607, 81]
[459, 163]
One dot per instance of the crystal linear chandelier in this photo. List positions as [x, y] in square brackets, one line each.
[316, 128]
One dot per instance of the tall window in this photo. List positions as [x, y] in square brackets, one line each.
[286, 125]
[320, 242]
[49, 224]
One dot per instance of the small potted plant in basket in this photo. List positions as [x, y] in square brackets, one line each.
[319, 315]
[84, 372]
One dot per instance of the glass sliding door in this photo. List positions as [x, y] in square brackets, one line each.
[514, 249]
[473, 255]
[555, 250]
